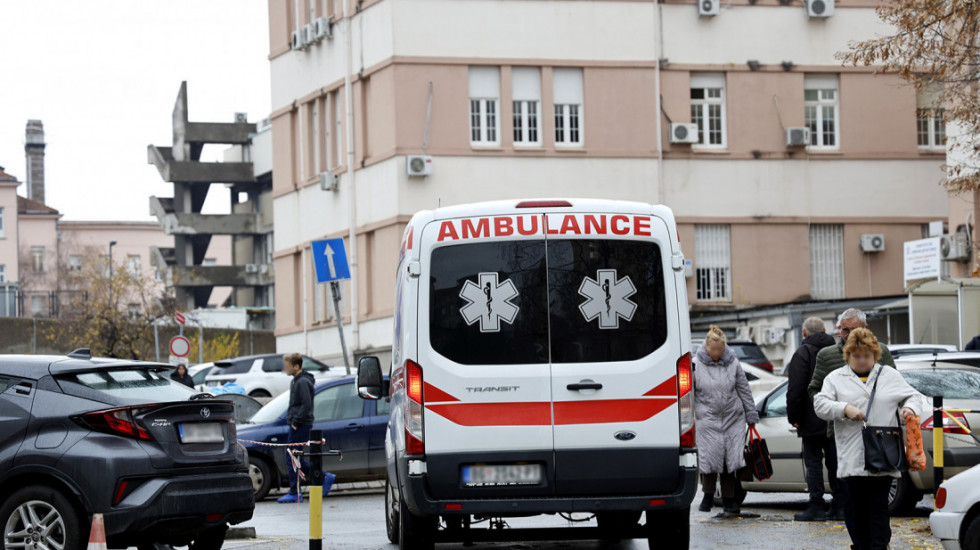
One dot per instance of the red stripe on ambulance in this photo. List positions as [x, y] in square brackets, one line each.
[606, 411]
[495, 414]
[667, 389]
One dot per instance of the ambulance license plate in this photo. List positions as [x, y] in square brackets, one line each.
[201, 432]
[493, 475]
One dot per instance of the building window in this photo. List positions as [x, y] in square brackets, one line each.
[826, 261]
[210, 261]
[712, 257]
[568, 106]
[484, 99]
[37, 259]
[3, 224]
[37, 306]
[527, 105]
[133, 264]
[822, 110]
[319, 302]
[708, 108]
[3, 273]
[931, 128]
[74, 263]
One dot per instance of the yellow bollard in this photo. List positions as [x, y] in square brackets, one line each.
[937, 443]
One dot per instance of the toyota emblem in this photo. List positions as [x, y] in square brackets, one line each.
[205, 412]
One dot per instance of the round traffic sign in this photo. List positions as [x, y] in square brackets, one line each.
[180, 346]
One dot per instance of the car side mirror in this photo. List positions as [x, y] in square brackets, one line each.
[370, 382]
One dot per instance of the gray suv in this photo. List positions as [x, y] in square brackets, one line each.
[80, 436]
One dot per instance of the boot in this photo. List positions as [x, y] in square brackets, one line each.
[706, 502]
[731, 507]
[815, 511]
[836, 511]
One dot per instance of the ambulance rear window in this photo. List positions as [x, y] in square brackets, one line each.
[489, 302]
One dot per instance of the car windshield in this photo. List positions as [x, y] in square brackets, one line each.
[949, 383]
[749, 353]
[128, 385]
[272, 410]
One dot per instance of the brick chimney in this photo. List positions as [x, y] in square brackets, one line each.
[34, 148]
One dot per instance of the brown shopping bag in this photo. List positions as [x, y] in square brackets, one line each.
[913, 444]
[758, 460]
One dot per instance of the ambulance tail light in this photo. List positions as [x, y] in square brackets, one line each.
[685, 401]
[414, 429]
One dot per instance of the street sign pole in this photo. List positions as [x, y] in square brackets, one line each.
[335, 288]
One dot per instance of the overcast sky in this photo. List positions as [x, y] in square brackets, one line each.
[103, 75]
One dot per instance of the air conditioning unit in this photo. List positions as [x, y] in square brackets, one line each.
[241, 118]
[954, 247]
[309, 34]
[329, 181]
[418, 165]
[683, 132]
[297, 41]
[251, 268]
[819, 8]
[322, 28]
[709, 7]
[873, 242]
[797, 136]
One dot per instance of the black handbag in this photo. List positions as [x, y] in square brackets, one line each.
[884, 446]
[757, 459]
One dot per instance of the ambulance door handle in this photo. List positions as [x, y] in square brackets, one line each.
[584, 386]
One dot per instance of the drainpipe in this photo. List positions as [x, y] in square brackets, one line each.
[352, 191]
[659, 18]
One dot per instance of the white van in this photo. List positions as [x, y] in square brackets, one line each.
[540, 366]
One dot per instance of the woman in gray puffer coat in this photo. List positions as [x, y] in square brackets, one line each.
[723, 406]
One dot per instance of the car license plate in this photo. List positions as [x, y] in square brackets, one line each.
[201, 432]
[490, 475]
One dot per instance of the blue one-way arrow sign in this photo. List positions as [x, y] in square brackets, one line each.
[330, 260]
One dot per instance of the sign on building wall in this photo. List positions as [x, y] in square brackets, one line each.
[922, 259]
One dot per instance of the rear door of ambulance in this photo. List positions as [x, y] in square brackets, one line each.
[615, 344]
[483, 352]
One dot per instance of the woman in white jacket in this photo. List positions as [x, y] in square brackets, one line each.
[844, 400]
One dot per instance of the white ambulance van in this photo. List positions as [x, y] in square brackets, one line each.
[540, 366]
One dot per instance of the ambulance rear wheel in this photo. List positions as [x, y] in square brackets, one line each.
[391, 513]
[669, 529]
[616, 526]
[414, 532]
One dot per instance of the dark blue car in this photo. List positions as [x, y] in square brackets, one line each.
[350, 424]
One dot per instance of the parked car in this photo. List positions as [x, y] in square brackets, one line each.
[966, 358]
[199, 373]
[354, 426]
[761, 381]
[956, 521]
[960, 387]
[747, 352]
[261, 375]
[80, 436]
[901, 350]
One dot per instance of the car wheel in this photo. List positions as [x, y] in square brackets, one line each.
[414, 532]
[41, 516]
[391, 514]
[210, 539]
[261, 476]
[669, 529]
[902, 496]
[971, 536]
[259, 393]
[616, 526]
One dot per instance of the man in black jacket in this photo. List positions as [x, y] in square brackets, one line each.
[299, 416]
[817, 447]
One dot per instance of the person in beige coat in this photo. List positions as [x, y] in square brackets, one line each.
[844, 400]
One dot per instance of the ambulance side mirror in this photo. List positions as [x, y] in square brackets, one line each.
[370, 382]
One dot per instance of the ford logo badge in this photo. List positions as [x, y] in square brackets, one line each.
[625, 436]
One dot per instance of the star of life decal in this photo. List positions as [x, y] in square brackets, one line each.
[608, 298]
[489, 302]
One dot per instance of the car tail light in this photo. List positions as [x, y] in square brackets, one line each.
[685, 400]
[940, 498]
[765, 366]
[544, 204]
[120, 492]
[949, 426]
[121, 421]
[414, 429]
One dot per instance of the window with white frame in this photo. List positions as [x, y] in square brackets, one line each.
[713, 262]
[3, 224]
[569, 99]
[526, 91]
[338, 126]
[484, 105]
[929, 117]
[708, 108]
[319, 302]
[37, 259]
[37, 306]
[826, 261]
[822, 110]
[133, 264]
[74, 263]
[3, 273]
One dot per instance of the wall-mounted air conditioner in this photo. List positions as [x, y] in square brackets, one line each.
[819, 8]
[418, 165]
[797, 136]
[322, 28]
[329, 181]
[873, 242]
[708, 7]
[683, 132]
[955, 247]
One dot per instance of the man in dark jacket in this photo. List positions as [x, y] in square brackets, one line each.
[817, 447]
[299, 415]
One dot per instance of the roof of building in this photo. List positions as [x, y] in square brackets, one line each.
[4, 176]
[28, 206]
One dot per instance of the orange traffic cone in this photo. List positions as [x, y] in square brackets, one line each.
[96, 539]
